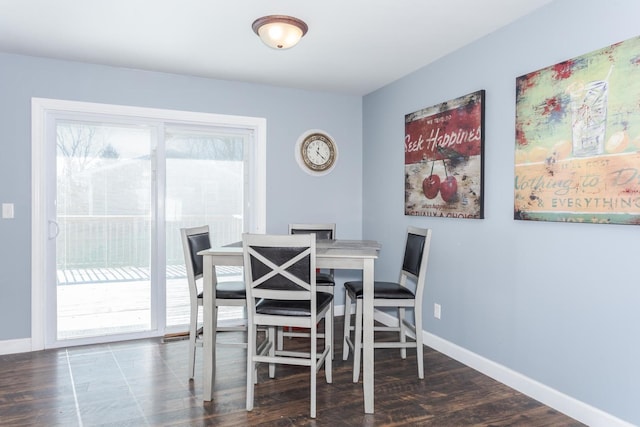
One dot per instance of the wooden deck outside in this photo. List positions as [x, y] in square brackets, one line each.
[116, 300]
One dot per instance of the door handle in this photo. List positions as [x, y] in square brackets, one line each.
[56, 229]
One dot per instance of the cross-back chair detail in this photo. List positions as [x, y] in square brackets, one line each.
[325, 279]
[281, 291]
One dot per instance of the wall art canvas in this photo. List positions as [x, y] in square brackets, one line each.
[444, 159]
[577, 154]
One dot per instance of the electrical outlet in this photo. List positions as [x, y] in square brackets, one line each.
[437, 310]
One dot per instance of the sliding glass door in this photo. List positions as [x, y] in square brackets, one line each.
[117, 188]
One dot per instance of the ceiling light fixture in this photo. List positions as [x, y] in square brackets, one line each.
[279, 31]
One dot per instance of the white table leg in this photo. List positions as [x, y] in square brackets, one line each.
[367, 333]
[209, 328]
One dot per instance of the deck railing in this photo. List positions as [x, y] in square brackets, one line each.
[125, 241]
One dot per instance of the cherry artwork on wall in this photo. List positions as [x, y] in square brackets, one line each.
[444, 159]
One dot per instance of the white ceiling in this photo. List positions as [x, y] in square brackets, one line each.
[352, 47]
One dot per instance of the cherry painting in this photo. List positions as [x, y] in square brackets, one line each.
[443, 151]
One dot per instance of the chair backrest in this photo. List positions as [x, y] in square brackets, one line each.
[322, 231]
[194, 240]
[416, 256]
[279, 267]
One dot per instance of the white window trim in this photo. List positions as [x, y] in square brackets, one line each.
[40, 107]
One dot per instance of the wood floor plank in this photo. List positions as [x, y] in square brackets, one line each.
[144, 383]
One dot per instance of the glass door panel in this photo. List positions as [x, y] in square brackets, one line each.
[205, 185]
[104, 212]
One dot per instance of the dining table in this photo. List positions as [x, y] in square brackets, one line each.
[336, 254]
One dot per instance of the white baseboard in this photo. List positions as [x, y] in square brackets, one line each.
[561, 402]
[15, 346]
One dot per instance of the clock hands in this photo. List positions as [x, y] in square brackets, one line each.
[320, 154]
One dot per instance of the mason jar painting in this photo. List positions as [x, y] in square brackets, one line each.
[577, 139]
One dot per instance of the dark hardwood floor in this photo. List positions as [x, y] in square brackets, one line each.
[143, 383]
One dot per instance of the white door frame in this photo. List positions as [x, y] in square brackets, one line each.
[40, 227]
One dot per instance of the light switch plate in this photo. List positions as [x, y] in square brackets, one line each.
[7, 211]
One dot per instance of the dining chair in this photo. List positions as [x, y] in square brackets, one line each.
[230, 293]
[325, 281]
[392, 294]
[281, 291]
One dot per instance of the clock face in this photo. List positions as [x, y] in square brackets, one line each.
[318, 152]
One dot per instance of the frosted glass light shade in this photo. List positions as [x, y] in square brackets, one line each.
[279, 31]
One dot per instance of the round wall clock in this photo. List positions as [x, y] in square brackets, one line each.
[316, 152]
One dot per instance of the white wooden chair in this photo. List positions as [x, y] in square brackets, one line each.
[393, 294]
[281, 291]
[232, 293]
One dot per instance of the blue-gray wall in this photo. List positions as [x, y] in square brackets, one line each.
[292, 195]
[559, 303]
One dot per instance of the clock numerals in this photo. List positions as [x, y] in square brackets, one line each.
[318, 152]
